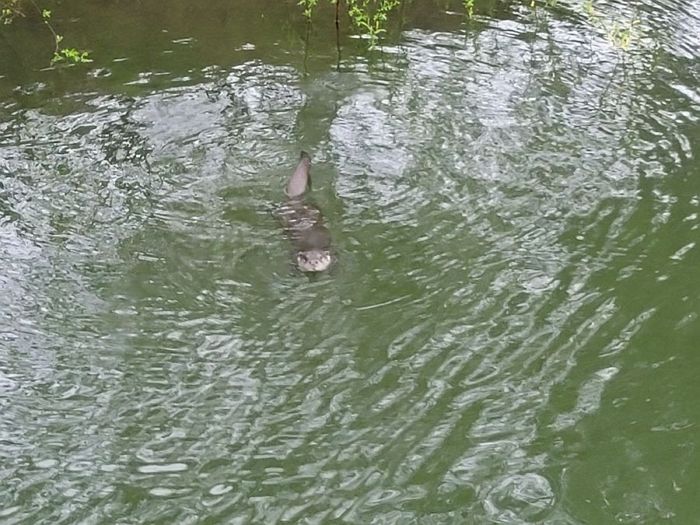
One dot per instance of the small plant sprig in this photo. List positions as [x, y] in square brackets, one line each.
[620, 35]
[469, 8]
[371, 21]
[308, 6]
[69, 54]
[9, 9]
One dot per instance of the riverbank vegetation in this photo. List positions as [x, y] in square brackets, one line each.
[366, 19]
[370, 18]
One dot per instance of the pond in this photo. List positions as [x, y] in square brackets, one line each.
[509, 333]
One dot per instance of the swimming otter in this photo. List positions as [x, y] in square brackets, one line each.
[303, 222]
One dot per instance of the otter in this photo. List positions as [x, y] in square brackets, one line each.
[303, 222]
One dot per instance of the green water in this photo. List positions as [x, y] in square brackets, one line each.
[509, 335]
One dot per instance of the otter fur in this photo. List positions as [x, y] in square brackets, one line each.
[303, 222]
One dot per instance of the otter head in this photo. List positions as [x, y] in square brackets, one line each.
[316, 260]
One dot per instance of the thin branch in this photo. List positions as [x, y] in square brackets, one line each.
[56, 37]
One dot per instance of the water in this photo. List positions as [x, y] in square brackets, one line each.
[509, 334]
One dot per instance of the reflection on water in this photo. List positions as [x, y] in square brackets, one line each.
[507, 336]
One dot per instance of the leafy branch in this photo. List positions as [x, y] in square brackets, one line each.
[371, 21]
[11, 9]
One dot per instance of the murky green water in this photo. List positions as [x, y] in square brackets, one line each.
[510, 334]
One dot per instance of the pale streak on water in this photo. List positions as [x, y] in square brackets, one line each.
[493, 198]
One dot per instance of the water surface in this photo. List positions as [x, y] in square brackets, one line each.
[510, 332]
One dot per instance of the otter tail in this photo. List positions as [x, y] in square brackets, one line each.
[300, 179]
